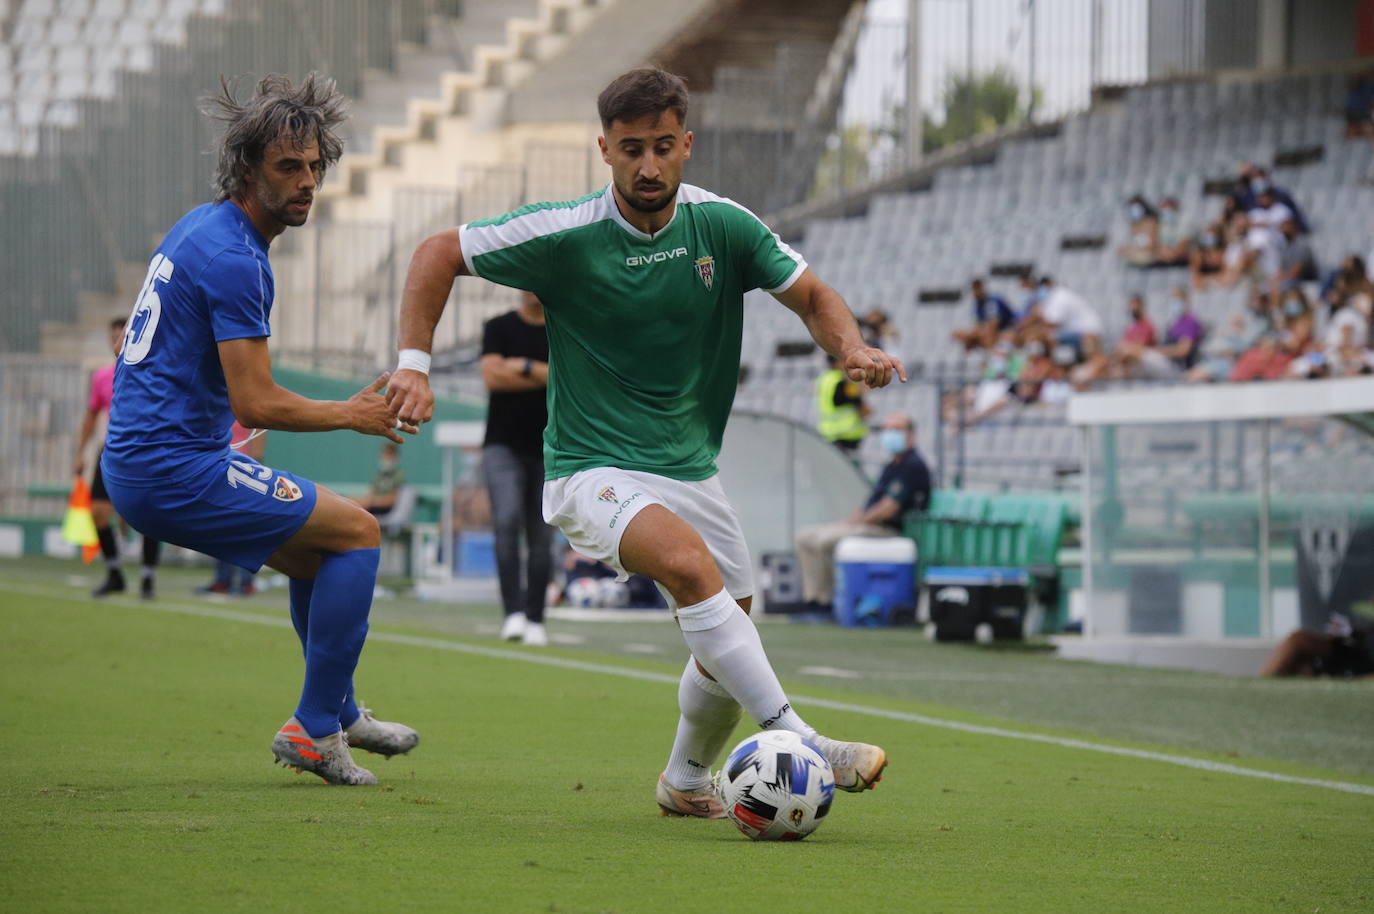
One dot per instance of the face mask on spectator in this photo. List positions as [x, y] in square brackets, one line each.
[1208, 239]
[1035, 349]
[893, 440]
[1168, 216]
[1258, 185]
[1176, 309]
[1136, 211]
[1294, 308]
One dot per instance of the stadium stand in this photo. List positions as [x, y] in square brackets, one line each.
[1025, 204]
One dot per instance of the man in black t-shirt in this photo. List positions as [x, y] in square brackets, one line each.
[904, 485]
[515, 369]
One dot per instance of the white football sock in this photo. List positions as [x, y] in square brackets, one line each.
[724, 639]
[708, 718]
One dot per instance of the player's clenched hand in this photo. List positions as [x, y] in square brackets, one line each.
[871, 366]
[371, 414]
[409, 396]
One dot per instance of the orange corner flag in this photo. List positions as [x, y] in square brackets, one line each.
[78, 526]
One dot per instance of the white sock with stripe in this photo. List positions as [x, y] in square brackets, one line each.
[709, 716]
[724, 639]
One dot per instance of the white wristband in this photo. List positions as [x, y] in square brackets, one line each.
[413, 360]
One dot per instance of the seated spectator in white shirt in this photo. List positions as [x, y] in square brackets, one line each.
[1268, 212]
[1069, 316]
[1253, 253]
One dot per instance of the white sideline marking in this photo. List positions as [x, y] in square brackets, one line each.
[1183, 761]
[832, 671]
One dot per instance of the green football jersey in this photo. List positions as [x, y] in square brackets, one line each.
[644, 330]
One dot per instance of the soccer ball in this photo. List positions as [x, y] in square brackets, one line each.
[776, 786]
[584, 592]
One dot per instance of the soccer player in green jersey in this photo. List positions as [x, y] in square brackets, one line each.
[643, 285]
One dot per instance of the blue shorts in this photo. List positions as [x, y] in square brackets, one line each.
[226, 505]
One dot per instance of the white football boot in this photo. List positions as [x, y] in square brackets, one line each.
[704, 802]
[534, 635]
[327, 756]
[857, 766]
[383, 737]
[513, 629]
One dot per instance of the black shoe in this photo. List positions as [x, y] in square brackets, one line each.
[145, 590]
[114, 583]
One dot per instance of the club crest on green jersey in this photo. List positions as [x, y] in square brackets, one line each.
[706, 269]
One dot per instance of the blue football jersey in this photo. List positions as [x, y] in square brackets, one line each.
[209, 281]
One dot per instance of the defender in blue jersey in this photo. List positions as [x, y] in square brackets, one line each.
[195, 357]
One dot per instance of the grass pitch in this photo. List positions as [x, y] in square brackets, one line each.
[139, 779]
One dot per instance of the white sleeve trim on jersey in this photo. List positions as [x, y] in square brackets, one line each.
[477, 240]
[690, 193]
[791, 280]
[463, 245]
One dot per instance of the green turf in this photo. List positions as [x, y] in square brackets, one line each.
[139, 779]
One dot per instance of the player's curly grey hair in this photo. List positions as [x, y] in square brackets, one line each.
[277, 112]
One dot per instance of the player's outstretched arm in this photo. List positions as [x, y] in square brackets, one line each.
[835, 330]
[259, 402]
[436, 262]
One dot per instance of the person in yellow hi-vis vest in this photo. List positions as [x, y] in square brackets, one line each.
[841, 409]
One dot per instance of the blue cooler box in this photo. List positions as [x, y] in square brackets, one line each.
[874, 576]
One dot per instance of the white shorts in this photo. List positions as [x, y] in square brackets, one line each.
[593, 507]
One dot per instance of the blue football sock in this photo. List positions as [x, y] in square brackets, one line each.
[336, 627]
[302, 590]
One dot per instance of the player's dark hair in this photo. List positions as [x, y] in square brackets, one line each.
[277, 112]
[640, 92]
[118, 322]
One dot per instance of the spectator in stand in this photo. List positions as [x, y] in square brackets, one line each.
[1251, 189]
[1139, 334]
[1268, 211]
[1179, 350]
[1207, 258]
[903, 486]
[1141, 331]
[1271, 357]
[1252, 254]
[840, 408]
[1173, 247]
[1220, 351]
[1143, 239]
[877, 329]
[992, 316]
[1350, 285]
[1063, 317]
[1036, 368]
[1296, 261]
[1359, 103]
[1343, 343]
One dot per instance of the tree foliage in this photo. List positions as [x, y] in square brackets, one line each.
[975, 104]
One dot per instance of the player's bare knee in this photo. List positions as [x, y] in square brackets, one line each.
[366, 531]
[689, 574]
